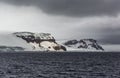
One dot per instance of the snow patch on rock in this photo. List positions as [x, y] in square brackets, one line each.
[83, 44]
[40, 41]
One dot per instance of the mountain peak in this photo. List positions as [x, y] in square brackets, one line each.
[84, 44]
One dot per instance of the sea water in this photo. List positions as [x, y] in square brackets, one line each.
[60, 65]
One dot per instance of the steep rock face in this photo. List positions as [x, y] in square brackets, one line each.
[40, 41]
[84, 44]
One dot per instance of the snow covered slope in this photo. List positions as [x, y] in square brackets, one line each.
[29, 41]
[40, 41]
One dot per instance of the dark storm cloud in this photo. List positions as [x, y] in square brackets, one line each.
[73, 7]
[111, 39]
[110, 35]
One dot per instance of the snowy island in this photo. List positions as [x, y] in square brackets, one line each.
[29, 41]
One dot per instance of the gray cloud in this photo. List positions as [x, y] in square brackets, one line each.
[34, 15]
[110, 35]
[73, 7]
[111, 39]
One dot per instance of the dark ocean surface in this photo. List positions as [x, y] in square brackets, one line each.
[60, 65]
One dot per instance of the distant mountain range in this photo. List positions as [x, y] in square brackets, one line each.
[29, 41]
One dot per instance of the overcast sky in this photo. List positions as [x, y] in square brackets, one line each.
[65, 19]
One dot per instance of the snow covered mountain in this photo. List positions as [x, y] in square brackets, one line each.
[83, 44]
[29, 41]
